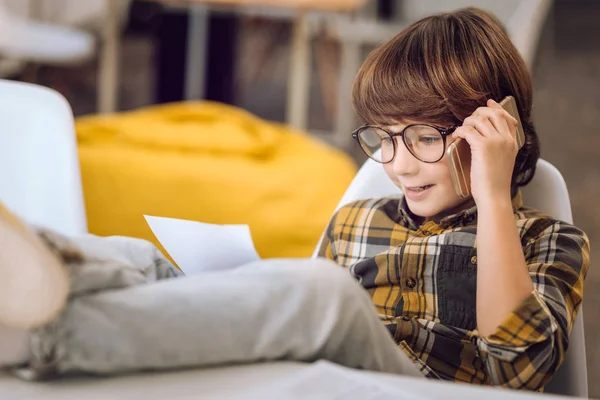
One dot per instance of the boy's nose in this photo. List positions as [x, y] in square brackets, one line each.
[404, 162]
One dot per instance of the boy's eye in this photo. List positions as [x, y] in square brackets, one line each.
[429, 140]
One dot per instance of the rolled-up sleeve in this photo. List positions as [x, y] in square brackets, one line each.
[530, 344]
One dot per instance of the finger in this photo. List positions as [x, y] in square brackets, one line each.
[482, 123]
[468, 133]
[502, 121]
[511, 120]
[494, 104]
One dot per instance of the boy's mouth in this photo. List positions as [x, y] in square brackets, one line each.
[418, 188]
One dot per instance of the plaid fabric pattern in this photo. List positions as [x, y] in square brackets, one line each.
[422, 280]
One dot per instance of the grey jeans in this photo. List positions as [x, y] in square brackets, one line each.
[129, 311]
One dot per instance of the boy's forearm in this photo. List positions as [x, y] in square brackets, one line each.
[503, 280]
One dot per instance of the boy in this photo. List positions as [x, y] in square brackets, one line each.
[463, 288]
[481, 290]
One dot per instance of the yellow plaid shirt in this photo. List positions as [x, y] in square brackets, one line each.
[422, 280]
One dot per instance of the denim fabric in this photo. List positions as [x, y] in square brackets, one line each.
[130, 310]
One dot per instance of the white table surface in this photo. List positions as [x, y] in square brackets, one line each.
[227, 383]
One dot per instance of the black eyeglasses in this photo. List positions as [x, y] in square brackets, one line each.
[425, 142]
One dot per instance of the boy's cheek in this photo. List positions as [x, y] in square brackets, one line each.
[391, 175]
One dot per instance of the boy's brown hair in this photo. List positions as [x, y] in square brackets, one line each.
[439, 70]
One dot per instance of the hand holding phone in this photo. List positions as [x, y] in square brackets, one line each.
[459, 153]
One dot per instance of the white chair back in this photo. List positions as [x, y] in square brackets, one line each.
[548, 193]
[39, 167]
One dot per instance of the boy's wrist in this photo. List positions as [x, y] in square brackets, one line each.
[495, 204]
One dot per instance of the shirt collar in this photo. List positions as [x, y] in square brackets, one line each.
[461, 218]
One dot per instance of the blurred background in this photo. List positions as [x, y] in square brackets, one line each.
[115, 61]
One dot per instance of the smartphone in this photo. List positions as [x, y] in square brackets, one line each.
[459, 153]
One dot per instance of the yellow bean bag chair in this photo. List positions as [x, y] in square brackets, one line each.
[213, 163]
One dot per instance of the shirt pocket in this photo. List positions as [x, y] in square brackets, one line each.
[457, 286]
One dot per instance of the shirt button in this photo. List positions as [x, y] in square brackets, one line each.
[411, 283]
[474, 260]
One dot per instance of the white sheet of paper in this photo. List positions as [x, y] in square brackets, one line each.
[198, 247]
[328, 381]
